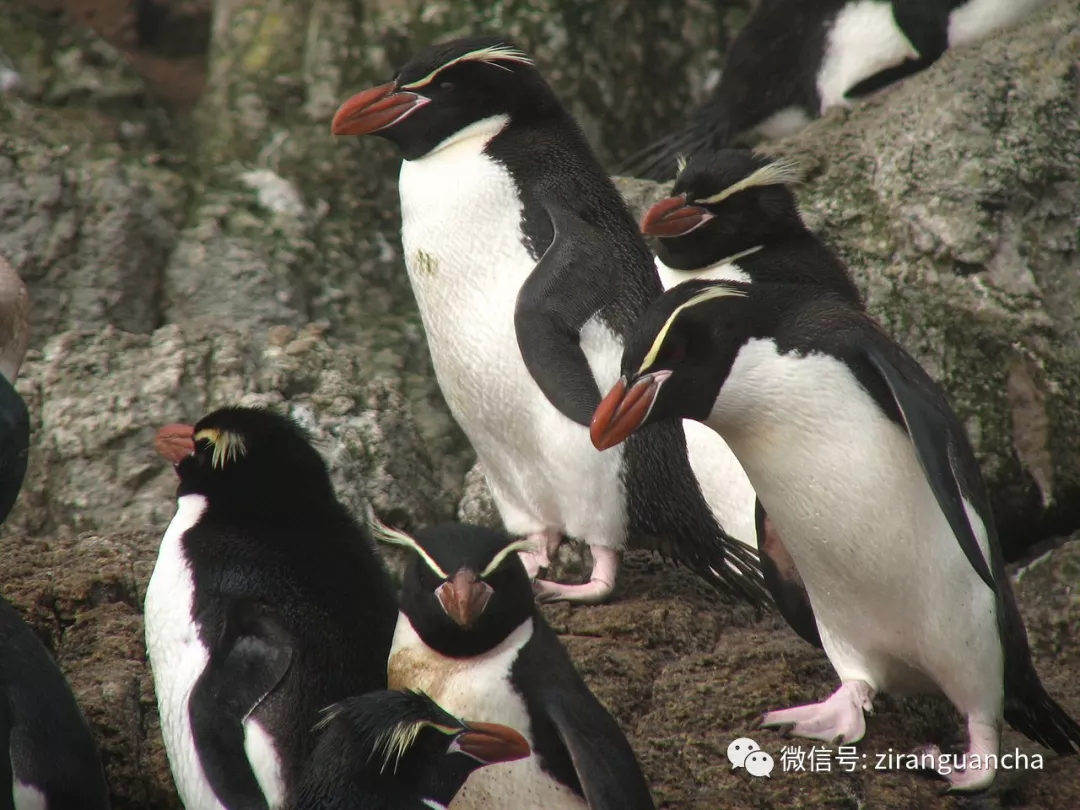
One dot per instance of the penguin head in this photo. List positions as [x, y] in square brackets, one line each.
[446, 89]
[723, 203]
[403, 745]
[465, 589]
[677, 357]
[246, 457]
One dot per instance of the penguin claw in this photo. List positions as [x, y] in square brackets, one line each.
[756, 722]
[840, 717]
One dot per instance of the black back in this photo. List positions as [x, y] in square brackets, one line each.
[572, 734]
[275, 554]
[760, 216]
[351, 768]
[14, 445]
[41, 726]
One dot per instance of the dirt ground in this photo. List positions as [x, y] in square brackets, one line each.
[683, 673]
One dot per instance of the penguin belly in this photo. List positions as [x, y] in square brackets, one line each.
[725, 486]
[479, 689]
[897, 602]
[461, 234]
[177, 658]
[864, 40]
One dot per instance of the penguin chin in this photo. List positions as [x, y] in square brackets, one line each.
[464, 598]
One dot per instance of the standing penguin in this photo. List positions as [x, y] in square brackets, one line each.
[391, 750]
[528, 270]
[268, 603]
[795, 59]
[870, 479]
[470, 635]
[732, 216]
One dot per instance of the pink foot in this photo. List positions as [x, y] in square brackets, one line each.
[983, 741]
[836, 720]
[599, 587]
[547, 543]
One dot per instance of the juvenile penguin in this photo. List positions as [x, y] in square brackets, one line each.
[871, 481]
[470, 635]
[50, 760]
[795, 59]
[14, 418]
[391, 750]
[528, 271]
[267, 604]
[733, 216]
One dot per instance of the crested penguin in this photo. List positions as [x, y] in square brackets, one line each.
[470, 635]
[733, 216]
[795, 59]
[528, 271]
[268, 603]
[398, 750]
[871, 481]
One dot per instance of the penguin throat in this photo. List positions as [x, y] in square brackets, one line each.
[472, 138]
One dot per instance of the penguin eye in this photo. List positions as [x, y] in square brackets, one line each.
[446, 87]
[674, 352]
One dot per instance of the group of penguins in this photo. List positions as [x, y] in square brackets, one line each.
[728, 403]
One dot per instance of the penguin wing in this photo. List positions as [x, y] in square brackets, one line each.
[934, 433]
[563, 292]
[251, 657]
[603, 760]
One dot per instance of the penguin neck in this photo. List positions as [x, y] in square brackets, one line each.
[726, 269]
[468, 141]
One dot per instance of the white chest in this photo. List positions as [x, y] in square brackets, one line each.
[178, 658]
[723, 270]
[479, 689]
[863, 40]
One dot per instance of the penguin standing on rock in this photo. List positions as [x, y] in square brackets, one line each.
[870, 479]
[267, 604]
[391, 750]
[470, 635]
[49, 759]
[795, 59]
[732, 216]
[529, 270]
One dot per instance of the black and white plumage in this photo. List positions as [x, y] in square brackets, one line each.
[528, 271]
[871, 481]
[732, 216]
[795, 59]
[267, 604]
[398, 750]
[470, 635]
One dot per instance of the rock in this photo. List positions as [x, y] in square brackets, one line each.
[954, 199]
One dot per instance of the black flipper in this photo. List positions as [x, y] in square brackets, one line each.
[14, 444]
[7, 778]
[553, 305]
[783, 581]
[931, 431]
[251, 657]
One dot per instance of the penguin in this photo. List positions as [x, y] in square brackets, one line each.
[51, 761]
[14, 418]
[795, 59]
[528, 270]
[470, 634]
[268, 603]
[871, 481]
[398, 750]
[733, 216]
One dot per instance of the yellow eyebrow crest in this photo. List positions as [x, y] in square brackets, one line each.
[712, 292]
[491, 55]
[396, 537]
[518, 545]
[228, 446]
[779, 172]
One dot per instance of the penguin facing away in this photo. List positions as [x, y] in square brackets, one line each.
[795, 59]
[391, 750]
[733, 216]
[268, 603]
[528, 271]
[470, 635]
[871, 481]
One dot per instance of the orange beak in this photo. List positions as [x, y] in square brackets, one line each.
[490, 743]
[375, 109]
[624, 410]
[673, 217]
[464, 597]
[175, 442]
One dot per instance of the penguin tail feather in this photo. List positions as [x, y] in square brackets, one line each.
[1039, 717]
[659, 160]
